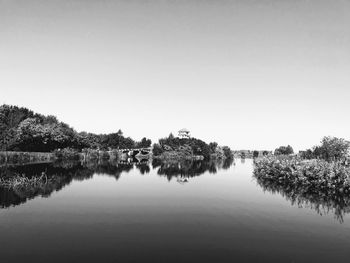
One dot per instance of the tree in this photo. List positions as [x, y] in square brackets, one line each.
[171, 136]
[157, 149]
[227, 152]
[284, 150]
[255, 154]
[23, 130]
[219, 153]
[213, 146]
[199, 147]
[127, 143]
[10, 118]
[332, 148]
[308, 154]
[32, 135]
[88, 140]
[144, 143]
[172, 143]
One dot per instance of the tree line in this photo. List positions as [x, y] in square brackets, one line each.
[330, 149]
[23, 130]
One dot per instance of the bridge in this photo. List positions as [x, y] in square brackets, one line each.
[140, 152]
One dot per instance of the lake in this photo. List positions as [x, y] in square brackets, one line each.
[155, 212]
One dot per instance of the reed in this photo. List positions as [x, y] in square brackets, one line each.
[324, 186]
[21, 181]
[316, 174]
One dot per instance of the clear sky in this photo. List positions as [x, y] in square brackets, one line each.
[248, 74]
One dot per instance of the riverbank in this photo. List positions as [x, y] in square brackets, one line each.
[10, 157]
[25, 157]
[67, 154]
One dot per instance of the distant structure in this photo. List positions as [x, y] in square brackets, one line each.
[250, 153]
[184, 134]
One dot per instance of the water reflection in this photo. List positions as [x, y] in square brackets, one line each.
[57, 177]
[189, 168]
[61, 174]
[132, 207]
[305, 197]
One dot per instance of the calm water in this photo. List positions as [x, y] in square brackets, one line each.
[189, 212]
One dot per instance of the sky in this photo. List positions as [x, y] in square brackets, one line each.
[247, 74]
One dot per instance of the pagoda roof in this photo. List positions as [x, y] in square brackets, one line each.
[184, 130]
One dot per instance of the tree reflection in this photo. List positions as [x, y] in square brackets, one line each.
[143, 168]
[57, 178]
[189, 168]
[305, 197]
[60, 174]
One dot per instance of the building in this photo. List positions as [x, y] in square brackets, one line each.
[184, 134]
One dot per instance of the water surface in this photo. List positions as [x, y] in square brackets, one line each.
[188, 212]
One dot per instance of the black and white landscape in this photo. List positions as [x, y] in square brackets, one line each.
[174, 131]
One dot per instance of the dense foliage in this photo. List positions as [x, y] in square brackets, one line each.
[23, 130]
[182, 147]
[319, 174]
[331, 148]
[189, 168]
[284, 150]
